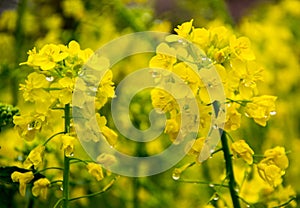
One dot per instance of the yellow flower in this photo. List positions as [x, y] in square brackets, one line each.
[233, 118]
[162, 100]
[95, 170]
[22, 179]
[270, 173]
[241, 47]
[33, 88]
[110, 135]
[68, 145]
[172, 128]
[277, 156]
[40, 188]
[200, 36]
[35, 157]
[245, 76]
[194, 147]
[261, 108]
[106, 159]
[47, 57]
[165, 58]
[241, 149]
[65, 93]
[29, 125]
[273, 165]
[184, 29]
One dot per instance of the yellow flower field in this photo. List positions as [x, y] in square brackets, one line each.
[142, 104]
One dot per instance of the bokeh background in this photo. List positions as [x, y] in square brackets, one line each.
[271, 25]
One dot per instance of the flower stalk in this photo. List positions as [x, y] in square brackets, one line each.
[229, 172]
[66, 172]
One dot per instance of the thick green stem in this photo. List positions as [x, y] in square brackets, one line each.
[229, 171]
[66, 161]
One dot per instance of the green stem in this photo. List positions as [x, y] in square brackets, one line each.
[108, 186]
[66, 172]
[49, 139]
[50, 168]
[229, 172]
[212, 185]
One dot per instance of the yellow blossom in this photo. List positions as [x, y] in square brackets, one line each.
[164, 59]
[35, 157]
[40, 188]
[233, 118]
[29, 125]
[241, 149]
[270, 173]
[194, 147]
[110, 135]
[22, 179]
[95, 170]
[172, 128]
[241, 47]
[46, 58]
[68, 144]
[273, 165]
[33, 89]
[65, 89]
[184, 29]
[261, 108]
[277, 156]
[163, 100]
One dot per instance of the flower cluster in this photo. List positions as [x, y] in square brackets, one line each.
[192, 55]
[272, 167]
[49, 88]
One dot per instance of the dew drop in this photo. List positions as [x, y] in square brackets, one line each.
[20, 158]
[248, 205]
[216, 198]
[61, 188]
[273, 113]
[215, 126]
[72, 154]
[156, 74]
[30, 126]
[210, 85]
[247, 115]
[237, 190]
[50, 78]
[181, 41]
[94, 89]
[176, 174]
[211, 185]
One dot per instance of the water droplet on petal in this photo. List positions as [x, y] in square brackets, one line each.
[156, 74]
[30, 126]
[176, 174]
[20, 158]
[50, 78]
[273, 113]
[94, 89]
[216, 198]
